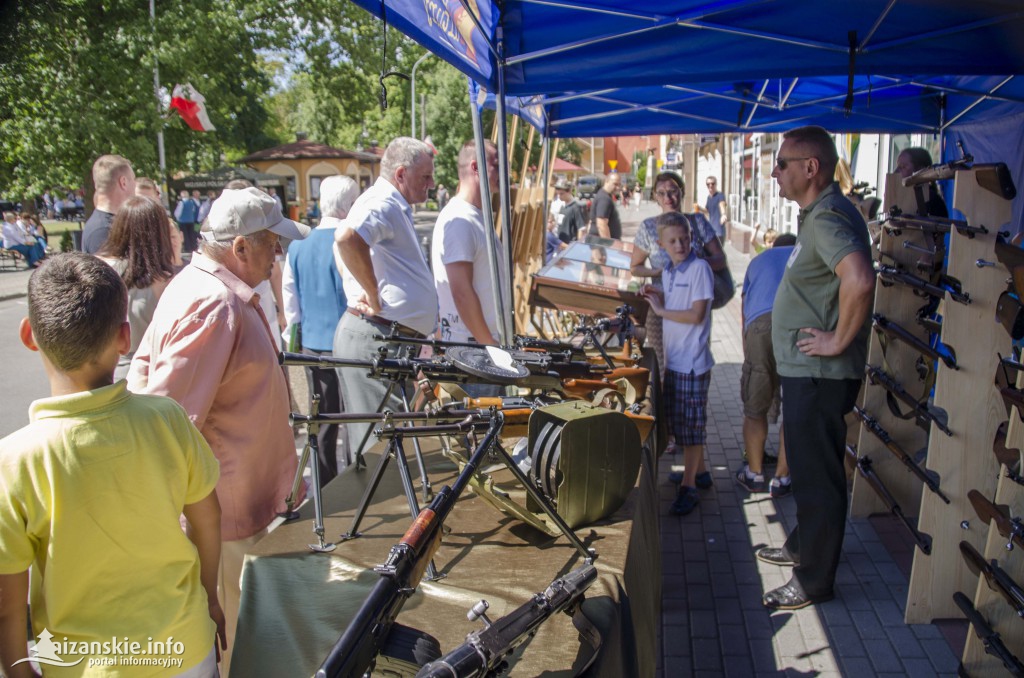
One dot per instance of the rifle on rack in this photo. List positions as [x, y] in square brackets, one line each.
[897, 221]
[989, 638]
[927, 477]
[1007, 456]
[891, 329]
[867, 471]
[485, 652]
[1011, 528]
[924, 413]
[357, 648]
[895, 275]
[996, 577]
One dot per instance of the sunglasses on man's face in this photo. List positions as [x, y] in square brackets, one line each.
[781, 162]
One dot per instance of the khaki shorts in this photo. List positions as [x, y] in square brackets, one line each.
[759, 383]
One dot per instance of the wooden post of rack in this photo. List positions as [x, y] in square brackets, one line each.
[963, 461]
[899, 304]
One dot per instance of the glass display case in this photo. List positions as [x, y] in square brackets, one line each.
[590, 277]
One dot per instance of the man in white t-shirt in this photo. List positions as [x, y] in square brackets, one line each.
[458, 256]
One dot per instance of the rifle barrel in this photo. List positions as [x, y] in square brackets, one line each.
[873, 427]
[366, 634]
[989, 638]
[878, 376]
[996, 577]
[864, 465]
[900, 333]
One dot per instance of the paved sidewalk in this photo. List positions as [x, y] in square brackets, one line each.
[14, 283]
[713, 623]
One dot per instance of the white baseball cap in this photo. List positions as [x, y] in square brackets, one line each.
[246, 211]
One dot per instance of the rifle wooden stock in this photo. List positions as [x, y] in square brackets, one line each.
[898, 332]
[485, 651]
[1007, 456]
[1013, 397]
[989, 638]
[1011, 528]
[878, 376]
[873, 427]
[924, 542]
[996, 577]
[354, 652]
[892, 275]
[1010, 314]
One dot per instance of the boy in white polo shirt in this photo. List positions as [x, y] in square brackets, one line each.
[685, 306]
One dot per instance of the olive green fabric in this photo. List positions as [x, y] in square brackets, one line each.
[295, 603]
[830, 229]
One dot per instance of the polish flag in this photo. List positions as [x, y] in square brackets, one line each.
[192, 107]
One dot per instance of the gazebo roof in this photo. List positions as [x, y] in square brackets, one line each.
[560, 165]
[306, 149]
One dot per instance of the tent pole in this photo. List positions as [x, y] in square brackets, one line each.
[488, 214]
[545, 174]
[506, 211]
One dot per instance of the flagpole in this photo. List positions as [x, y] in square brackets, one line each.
[156, 94]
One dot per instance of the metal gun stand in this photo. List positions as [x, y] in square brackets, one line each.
[388, 429]
[400, 383]
[310, 453]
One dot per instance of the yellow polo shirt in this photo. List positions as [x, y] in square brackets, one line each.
[90, 496]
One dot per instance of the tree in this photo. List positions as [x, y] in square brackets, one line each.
[76, 82]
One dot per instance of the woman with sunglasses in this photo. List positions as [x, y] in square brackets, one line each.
[669, 193]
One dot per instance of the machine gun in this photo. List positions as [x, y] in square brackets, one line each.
[924, 413]
[894, 275]
[990, 639]
[397, 369]
[927, 477]
[891, 329]
[357, 648]
[996, 577]
[896, 221]
[994, 177]
[1011, 528]
[555, 370]
[485, 652]
[867, 471]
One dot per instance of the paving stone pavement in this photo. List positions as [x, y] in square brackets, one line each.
[713, 623]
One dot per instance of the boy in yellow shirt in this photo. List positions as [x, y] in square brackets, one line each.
[91, 493]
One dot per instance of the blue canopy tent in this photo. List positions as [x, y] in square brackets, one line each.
[549, 47]
[618, 67]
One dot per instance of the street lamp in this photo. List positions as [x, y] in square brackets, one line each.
[413, 91]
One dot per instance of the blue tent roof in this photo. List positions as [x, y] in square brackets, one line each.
[651, 66]
[552, 47]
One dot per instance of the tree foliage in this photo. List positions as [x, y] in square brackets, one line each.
[76, 81]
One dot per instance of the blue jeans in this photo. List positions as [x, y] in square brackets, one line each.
[32, 253]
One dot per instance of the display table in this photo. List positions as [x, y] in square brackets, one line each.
[295, 603]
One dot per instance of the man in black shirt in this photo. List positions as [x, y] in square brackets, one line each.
[606, 215]
[115, 183]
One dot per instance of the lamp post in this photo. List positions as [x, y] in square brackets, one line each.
[412, 93]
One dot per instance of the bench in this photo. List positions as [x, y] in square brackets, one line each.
[10, 258]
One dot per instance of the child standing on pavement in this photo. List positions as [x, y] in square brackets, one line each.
[685, 306]
[90, 497]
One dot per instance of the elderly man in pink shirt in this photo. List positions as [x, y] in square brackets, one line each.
[211, 348]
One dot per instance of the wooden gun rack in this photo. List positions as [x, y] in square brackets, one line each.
[963, 461]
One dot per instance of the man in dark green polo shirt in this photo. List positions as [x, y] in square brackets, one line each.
[820, 326]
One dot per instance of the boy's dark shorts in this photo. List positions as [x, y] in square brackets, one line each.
[759, 383]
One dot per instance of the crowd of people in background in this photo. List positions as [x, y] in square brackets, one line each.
[169, 337]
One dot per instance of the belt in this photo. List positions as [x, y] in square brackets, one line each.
[387, 325]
